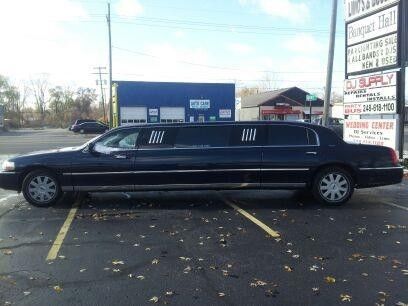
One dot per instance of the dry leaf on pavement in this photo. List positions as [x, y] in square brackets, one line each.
[330, 279]
[154, 299]
[57, 288]
[345, 297]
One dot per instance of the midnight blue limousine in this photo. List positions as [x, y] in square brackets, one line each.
[207, 156]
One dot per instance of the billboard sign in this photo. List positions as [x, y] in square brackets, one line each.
[379, 24]
[373, 55]
[200, 104]
[355, 9]
[374, 94]
[379, 132]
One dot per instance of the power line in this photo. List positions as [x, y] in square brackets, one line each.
[217, 67]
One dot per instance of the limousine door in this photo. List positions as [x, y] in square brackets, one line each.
[195, 157]
[108, 164]
[290, 154]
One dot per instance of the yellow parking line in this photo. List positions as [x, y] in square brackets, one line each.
[271, 232]
[52, 254]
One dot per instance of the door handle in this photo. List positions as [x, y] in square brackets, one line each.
[120, 156]
[311, 153]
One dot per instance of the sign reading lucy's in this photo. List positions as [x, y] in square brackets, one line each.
[382, 23]
[355, 9]
[374, 54]
[374, 132]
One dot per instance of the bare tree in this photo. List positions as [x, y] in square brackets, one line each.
[39, 88]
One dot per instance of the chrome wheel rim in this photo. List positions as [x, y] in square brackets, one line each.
[334, 187]
[42, 189]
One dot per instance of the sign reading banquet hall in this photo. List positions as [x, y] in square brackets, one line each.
[200, 104]
[355, 9]
[382, 23]
[374, 94]
[374, 132]
[374, 54]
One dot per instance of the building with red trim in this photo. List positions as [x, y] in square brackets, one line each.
[282, 104]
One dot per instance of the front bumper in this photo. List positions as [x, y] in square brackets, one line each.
[10, 180]
[373, 177]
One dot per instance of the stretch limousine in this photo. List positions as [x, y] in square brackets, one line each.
[209, 156]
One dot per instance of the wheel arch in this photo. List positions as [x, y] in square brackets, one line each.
[347, 167]
[29, 169]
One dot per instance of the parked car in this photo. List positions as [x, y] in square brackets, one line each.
[79, 121]
[336, 124]
[90, 128]
[242, 155]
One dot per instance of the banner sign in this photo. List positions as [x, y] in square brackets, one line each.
[355, 9]
[153, 111]
[374, 94]
[379, 132]
[382, 23]
[374, 54]
[225, 113]
[200, 104]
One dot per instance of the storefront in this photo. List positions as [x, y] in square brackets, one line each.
[153, 102]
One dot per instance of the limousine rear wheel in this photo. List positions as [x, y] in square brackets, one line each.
[333, 186]
[41, 188]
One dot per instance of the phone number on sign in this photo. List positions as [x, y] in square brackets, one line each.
[378, 107]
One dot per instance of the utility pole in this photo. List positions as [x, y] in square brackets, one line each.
[329, 77]
[404, 54]
[101, 84]
[108, 19]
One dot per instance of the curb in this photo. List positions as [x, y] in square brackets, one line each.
[405, 173]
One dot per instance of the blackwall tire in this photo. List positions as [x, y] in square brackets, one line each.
[41, 188]
[333, 186]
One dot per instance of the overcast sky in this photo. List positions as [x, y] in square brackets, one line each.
[242, 41]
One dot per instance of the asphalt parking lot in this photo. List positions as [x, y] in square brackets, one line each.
[215, 248]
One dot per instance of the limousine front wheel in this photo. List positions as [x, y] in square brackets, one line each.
[41, 188]
[333, 186]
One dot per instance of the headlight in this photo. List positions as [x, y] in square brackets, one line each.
[8, 166]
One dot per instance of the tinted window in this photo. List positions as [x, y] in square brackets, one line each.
[247, 135]
[203, 136]
[286, 135]
[158, 137]
[118, 141]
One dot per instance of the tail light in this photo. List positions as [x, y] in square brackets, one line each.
[394, 157]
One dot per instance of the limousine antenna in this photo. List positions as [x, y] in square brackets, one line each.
[329, 76]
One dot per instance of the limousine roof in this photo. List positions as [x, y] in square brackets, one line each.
[326, 135]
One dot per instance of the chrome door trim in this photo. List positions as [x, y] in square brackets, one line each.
[382, 168]
[283, 185]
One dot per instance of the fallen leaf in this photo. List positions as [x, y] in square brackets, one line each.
[26, 293]
[155, 261]
[82, 270]
[61, 257]
[141, 277]
[316, 290]
[169, 293]
[57, 288]
[221, 294]
[117, 262]
[116, 270]
[288, 269]
[345, 297]
[258, 283]
[154, 299]
[330, 279]
[7, 252]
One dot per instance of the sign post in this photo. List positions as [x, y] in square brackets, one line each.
[311, 98]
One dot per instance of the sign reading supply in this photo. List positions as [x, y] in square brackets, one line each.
[382, 23]
[374, 54]
[379, 132]
[355, 9]
[200, 104]
[374, 94]
[225, 113]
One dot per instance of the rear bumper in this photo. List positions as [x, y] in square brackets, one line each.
[373, 177]
[9, 180]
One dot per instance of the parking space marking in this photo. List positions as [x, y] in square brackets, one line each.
[52, 254]
[395, 205]
[271, 232]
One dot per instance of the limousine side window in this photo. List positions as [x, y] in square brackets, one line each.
[120, 141]
[157, 137]
[202, 137]
[287, 135]
[247, 135]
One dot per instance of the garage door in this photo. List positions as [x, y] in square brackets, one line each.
[172, 114]
[133, 115]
